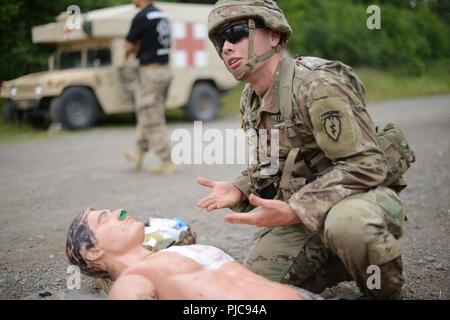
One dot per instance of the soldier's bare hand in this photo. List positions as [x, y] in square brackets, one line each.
[223, 195]
[271, 213]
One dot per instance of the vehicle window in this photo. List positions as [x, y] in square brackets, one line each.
[98, 57]
[70, 59]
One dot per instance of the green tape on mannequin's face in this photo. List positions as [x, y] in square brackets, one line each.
[122, 215]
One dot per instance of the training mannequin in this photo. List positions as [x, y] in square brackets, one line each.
[105, 243]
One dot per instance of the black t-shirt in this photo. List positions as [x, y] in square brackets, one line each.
[152, 28]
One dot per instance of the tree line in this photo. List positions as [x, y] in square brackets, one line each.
[413, 34]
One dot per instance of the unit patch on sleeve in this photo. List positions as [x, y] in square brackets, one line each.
[332, 123]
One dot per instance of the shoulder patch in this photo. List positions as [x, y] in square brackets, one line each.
[335, 127]
[332, 123]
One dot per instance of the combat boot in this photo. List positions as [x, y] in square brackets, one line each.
[164, 168]
[135, 157]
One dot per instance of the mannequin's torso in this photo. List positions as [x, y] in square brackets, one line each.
[174, 276]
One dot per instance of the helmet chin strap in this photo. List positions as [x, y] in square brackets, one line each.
[245, 70]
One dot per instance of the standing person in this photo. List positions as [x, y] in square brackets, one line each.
[329, 211]
[149, 40]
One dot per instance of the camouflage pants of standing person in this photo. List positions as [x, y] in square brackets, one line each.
[150, 100]
[360, 231]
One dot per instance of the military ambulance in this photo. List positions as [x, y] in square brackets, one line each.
[85, 76]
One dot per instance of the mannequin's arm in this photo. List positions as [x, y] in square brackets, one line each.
[133, 287]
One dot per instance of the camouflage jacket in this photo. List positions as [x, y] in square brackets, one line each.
[330, 117]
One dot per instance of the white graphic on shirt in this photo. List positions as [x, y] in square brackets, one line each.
[163, 29]
[156, 15]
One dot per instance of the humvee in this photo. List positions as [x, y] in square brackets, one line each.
[84, 77]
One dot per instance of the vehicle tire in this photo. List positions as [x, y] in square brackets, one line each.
[75, 108]
[10, 113]
[204, 102]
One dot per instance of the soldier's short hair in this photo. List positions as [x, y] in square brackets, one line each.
[80, 237]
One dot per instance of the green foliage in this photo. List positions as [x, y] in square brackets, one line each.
[413, 33]
[409, 37]
[17, 17]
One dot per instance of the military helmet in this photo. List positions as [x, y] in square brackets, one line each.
[267, 11]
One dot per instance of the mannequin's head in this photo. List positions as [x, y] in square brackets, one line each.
[96, 236]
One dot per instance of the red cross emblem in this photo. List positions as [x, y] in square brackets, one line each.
[190, 45]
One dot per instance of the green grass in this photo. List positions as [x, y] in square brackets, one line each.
[230, 101]
[380, 85]
[23, 132]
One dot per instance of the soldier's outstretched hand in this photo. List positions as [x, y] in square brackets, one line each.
[223, 195]
[271, 213]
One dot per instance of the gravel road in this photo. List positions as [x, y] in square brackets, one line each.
[45, 183]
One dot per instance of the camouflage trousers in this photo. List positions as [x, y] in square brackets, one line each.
[360, 231]
[150, 100]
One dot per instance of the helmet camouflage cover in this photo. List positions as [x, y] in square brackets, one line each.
[227, 11]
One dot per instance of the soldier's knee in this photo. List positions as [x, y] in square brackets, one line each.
[345, 222]
[356, 228]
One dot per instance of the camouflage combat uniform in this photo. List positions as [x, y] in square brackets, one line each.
[150, 100]
[349, 221]
[331, 168]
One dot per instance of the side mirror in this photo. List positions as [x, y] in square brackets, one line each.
[51, 62]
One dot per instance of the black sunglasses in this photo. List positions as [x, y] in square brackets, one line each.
[233, 34]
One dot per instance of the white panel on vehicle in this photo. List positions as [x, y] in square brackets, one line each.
[200, 58]
[200, 30]
[180, 59]
[179, 30]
